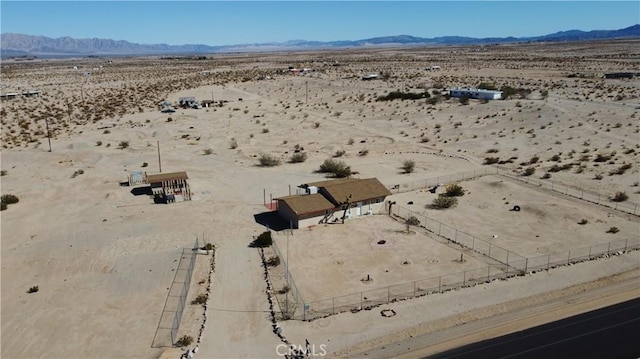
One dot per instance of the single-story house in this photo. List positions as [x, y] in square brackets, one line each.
[331, 200]
[480, 94]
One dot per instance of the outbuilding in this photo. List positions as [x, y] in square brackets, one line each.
[170, 187]
[480, 94]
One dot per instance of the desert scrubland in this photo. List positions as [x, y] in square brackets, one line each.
[104, 259]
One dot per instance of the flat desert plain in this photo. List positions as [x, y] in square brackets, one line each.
[108, 263]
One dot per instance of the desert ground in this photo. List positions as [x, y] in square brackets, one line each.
[104, 260]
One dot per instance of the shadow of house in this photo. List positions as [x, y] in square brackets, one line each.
[272, 220]
[142, 191]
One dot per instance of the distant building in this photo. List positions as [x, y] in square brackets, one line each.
[370, 77]
[14, 95]
[480, 94]
[9, 96]
[621, 75]
[187, 102]
[31, 93]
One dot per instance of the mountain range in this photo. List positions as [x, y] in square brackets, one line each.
[15, 45]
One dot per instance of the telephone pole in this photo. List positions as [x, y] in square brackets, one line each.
[46, 123]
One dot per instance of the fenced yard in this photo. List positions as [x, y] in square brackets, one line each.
[482, 239]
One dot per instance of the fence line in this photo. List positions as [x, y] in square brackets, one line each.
[512, 261]
[167, 331]
[368, 299]
[293, 302]
[444, 179]
[576, 192]
[512, 265]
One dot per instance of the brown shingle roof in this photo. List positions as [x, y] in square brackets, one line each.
[358, 189]
[307, 203]
[161, 177]
[331, 182]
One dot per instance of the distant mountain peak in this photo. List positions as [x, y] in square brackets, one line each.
[13, 44]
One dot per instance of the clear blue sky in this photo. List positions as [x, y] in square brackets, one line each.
[244, 22]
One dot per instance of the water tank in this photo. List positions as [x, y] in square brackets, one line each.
[312, 190]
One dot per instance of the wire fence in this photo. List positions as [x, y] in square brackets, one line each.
[444, 179]
[167, 331]
[573, 191]
[576, 192]
[292, 302]
[508, 264]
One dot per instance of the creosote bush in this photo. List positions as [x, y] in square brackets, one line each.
[339, 169]
[529, 171]
[9, 199]
[408, 166]
[454, 190]
[413, 221]
[33, 289]
[267, 160]
[442, 202]
[200, 299]
[620, 197]
[298, 157]
[184, 341]
[491, 160]
[274, 261]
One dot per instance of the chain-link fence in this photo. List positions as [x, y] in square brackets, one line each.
[576, 192]
[167, 331]
[444, 179]
[509, 264]
[292, 302]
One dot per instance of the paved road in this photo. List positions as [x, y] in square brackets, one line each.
[610, 332]
[510, 317]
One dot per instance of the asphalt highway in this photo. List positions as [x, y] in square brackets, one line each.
[610, 332]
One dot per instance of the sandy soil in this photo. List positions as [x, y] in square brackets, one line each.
[104, 259]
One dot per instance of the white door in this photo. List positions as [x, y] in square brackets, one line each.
[359, 209]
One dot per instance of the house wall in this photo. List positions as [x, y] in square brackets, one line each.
[366, 207]
[369, 205]
[287, 213]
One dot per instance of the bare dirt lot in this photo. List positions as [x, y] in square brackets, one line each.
[334, 260]
[545, 223]
[104, 258]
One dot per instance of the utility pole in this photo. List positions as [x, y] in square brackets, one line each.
[159, 162]
[306, 98]
[46, 122]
